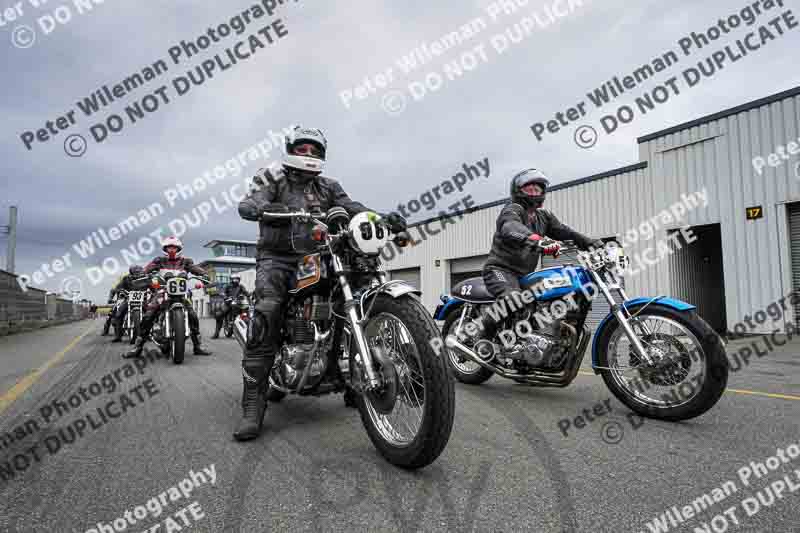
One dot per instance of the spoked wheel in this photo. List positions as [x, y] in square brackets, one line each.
[136, 320]
[410, 416]
[464, 370]
[688, 372]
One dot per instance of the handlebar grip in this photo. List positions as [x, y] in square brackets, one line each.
[402, 239]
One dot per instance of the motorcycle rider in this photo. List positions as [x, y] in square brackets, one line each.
[135, 272]
[233, 290]
[172, 260]
[298, 185]
[521, 226]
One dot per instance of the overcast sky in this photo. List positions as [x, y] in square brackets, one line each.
[380, 158]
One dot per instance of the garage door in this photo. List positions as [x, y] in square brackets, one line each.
[600, 308]
[465, 268]
[794, 239]
[411, 275]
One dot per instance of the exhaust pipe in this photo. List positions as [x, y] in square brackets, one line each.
[544, 379]
[240, 332]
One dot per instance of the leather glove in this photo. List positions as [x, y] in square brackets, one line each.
[395, 222]
[547, 246]
[277, 208]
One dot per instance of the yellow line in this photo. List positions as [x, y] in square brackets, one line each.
[767, 394]
[17, 390]
[737, 391]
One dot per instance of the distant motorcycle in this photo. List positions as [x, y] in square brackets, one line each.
[657, 355]
[119, 298]
[171, 328]
[240, 307]
[136, 302]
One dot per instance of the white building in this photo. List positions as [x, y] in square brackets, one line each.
[747, 249]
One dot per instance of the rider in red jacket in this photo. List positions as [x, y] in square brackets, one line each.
[173, 260]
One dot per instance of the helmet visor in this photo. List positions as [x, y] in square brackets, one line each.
[527, 177]
[308, 150]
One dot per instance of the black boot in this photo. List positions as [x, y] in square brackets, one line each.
[137, 349]
[216, 330]
[198, 347]
[254, 402]
[117, 333]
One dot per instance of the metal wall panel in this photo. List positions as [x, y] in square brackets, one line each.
[723, 163]
[715, 156]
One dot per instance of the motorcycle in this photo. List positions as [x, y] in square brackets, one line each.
[656, 355]
[237, 308]
[119, 298]
[136, 303]
[345, 313]
[171, 328]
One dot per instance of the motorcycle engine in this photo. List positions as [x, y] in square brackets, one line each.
[546, 348]
[299, 345]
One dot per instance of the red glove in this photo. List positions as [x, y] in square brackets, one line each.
[548, 246]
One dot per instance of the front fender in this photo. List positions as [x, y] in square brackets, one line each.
[394, 288]
[632, 305]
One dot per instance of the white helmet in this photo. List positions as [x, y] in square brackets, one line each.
[172, 241]
[313, 146]
[369, 232]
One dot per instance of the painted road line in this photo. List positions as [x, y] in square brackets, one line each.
[17, 390]
[737, 391]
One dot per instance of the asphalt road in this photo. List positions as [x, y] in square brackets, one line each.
[507, 466]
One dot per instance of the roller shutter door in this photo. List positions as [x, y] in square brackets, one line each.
[600, 308]
[794, 240]
[410, 275]
[465, 268]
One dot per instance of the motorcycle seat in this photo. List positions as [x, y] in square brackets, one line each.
[472, 290]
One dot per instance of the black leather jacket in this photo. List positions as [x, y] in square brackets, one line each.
[511, 249]
[129, 283]
[234, 291]
[289, 190]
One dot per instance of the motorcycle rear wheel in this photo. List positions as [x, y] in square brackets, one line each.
[465, 371]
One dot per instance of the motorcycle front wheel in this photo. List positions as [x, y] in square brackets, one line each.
[135, 321]
[689, 372]
[178, 340]
[410, 417]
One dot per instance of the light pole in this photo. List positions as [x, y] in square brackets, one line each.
[11, 231]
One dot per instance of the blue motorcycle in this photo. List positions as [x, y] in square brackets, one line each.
[657, 355]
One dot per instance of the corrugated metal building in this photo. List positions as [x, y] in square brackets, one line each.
[739, 263]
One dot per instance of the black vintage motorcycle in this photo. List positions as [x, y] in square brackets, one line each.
[343, 311]
[136, 301]
[171, 328]
[238, 307]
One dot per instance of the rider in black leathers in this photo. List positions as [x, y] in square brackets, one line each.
[297, 186]
[135, 272]
[173, 260]
[521, 227]
[233, 290]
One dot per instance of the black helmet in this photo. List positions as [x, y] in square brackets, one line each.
[135, 270]
[235, 280]
[526, 177]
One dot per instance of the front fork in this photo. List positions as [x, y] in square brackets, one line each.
[619, 313]
[350, 305]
